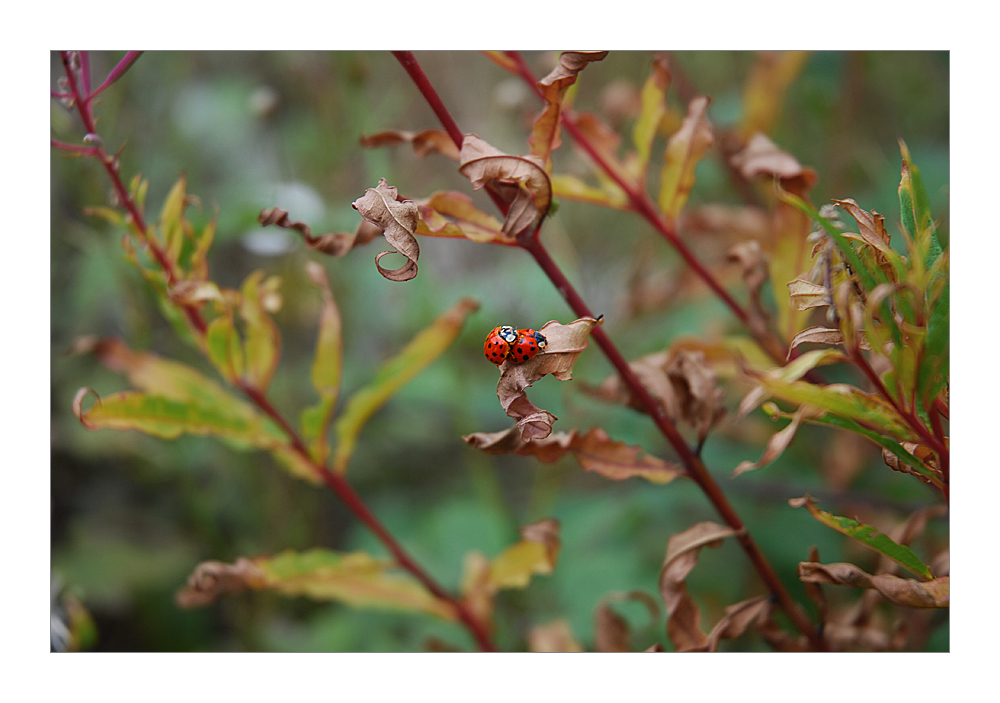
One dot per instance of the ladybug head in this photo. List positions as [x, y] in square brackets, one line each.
[508, 334]
[541, 340]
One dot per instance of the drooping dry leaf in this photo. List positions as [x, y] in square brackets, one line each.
[334, 244]
[604, 141]
[398, 220]
[684, 150]
[594, 450]
[611, 630]
[556, 636]
[815, 591]
[565, 343]
[804, 295]
[545, 136]
[778, 442]
[907, 592]
[752, 261]
[680, 380]
[520, 180]
[871, 227]
[212, 579]
[425, 142]
[683, 615]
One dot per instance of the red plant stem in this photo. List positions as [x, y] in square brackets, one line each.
[336, 483]
[645, 207]
[78, 148]
[409, 62]
[695, 467]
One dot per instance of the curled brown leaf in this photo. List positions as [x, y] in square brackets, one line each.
[779, 441]
[380, 206]
[520, 180]
[425, 142]
[212, 579]
[738, 617]
[901, 591]
[594, 450]
[683, 615]
[334, 244]
[761, 156]
[565, 343]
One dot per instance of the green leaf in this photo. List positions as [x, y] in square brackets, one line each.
[868, 536]
[934, 366]
[394, 374]
[263, 342]
[222, 343]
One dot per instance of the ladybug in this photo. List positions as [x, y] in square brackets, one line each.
[528, 343]
[498, 342]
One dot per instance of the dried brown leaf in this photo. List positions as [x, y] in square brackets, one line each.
[738, 617]
[611, 630]
[565, 343]
[212, 579]
[683, 615]
[815, 591]
[556, 636]
[334, 244]
[685, 149]
[520, 180]
[594, 450]
[871, 227]
[761, 156]
[897, 590]
[920, 451]
[426, 142]
[398, 220]
[752, 261]
[466, 219]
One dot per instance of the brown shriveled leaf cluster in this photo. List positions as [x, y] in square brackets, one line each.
[611, 631]
[565, 343]
[594, 450]
[521, 181]
[212, 579]
[901, 591]
[334, 243]
[683, 384]
[398, 219]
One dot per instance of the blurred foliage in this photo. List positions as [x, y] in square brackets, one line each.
[131, 515]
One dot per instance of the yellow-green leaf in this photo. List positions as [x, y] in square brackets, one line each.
[356, 579]
[225, 351]
[394, 374]
[654, 107]
[326, 368]
[263, 342]
[572, 188]
[684, 150]
[171, 226]
[536, 553]
[765, 90]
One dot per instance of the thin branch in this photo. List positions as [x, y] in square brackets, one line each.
[694, 465]
[76, 148]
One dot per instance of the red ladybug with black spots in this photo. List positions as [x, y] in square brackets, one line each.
[498, 342]
[528, 344]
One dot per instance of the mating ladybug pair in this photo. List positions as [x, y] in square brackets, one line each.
[505, 343]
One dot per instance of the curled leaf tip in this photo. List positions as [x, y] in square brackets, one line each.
[398, 220]
[78, 403]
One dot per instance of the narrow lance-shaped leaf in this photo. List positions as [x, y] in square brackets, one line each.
[777, 443]
[332, 243]
[466, 220]
[171, 226]
[398, 220]
[935, 593]
[684, 150]
[356, 579]
[224, 348]
[653, 99]
[326, 368]
[394, 374]
[934, 366]
[263, 342]
[426, 142]
[868, 536]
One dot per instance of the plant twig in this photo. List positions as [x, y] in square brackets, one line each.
[694, 465]
[336, 483]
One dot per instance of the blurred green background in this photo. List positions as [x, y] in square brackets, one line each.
[132, 515]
